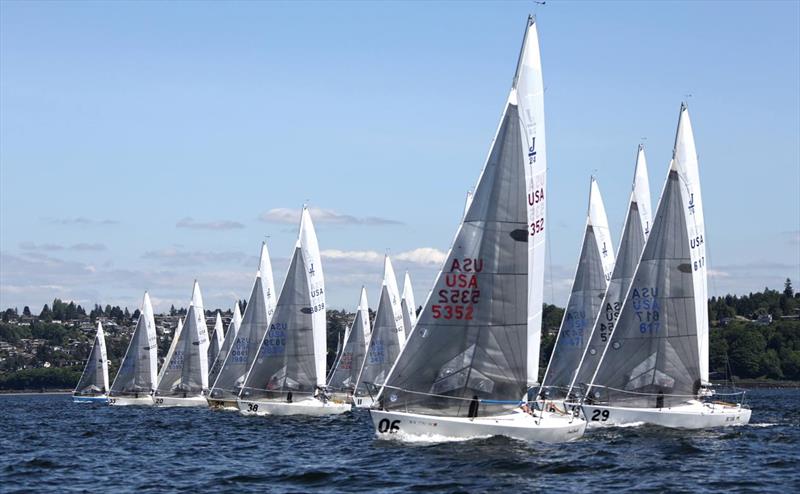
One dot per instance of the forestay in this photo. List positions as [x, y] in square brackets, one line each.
[94, 380]
[478, 332]
[345, 374]
[137, 372]
[239, 359]
[594, 269]
[227, 343]
[658, 350]
[634, 232]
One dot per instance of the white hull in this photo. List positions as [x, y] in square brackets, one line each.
[172, 401]
[90, 399]
[362, 401]
[693, 415]
[309, 406]
[553, 428]
[121, 401]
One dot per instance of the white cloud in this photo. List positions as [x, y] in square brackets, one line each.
[80, 221]
[189, 222]
[352, 255]
[423, 255]
[173, 256]
[319, 215]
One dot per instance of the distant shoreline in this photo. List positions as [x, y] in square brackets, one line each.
[754, 383]
[24, 392]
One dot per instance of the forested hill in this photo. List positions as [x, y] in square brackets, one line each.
[753, 336]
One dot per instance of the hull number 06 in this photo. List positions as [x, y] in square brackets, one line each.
[385, 426]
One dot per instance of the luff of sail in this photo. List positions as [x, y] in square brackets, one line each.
[94, 379]
[345, 373]
[656, 355]
[595, 265]
[478, 332]
[137, 372]
[227, 344]
[233, 370]
[636, 227]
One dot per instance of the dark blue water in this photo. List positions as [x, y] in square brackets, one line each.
[47, 443]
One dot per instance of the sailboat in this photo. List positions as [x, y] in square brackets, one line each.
[230, 379]
[288, 374]
[217, 339]
[343, 378]
[227, 343]
[93, 384]
[636, 227]
[655, 368]
[390, 281]
[137, 378]
[385, 342]
[592, 275]
[472, 357]
[408, 304]
[184, 378]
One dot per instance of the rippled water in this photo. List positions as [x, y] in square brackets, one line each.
[49, 443]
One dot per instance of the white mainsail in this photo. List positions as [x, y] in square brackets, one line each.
[227, 343]
[233, 370]
[477, 336]
[595, 265]
[94, 380]
[390, 280]
[137, 373]
[185, 373]
[408, 304]
[658, 353]
[637, 225]
[345, 373]
[291, 356]
[171, 350]
[217, 339]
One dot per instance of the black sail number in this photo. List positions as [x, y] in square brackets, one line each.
[385, 426]
[600, 415]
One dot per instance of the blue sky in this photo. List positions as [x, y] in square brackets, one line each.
[143, 145]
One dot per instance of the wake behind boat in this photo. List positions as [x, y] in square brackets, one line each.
[473, 355]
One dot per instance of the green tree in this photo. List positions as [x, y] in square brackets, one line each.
[787, 288]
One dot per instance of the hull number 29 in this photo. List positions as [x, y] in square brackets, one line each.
[385, 426]
[600, 415]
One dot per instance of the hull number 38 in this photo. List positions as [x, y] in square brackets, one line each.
[385, 426]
